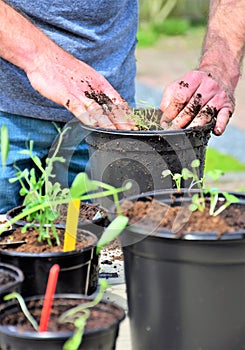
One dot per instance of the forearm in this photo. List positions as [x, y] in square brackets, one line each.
[21, 43]
[223, 47]
[59, 76]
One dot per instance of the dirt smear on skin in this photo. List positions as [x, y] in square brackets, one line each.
[208, 114]
[195, 106]
[183, 84]
[100, 98]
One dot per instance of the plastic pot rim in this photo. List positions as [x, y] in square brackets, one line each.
[15, 272]
[143, 133]
[54, 254]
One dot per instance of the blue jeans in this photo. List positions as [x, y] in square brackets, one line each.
[43, 133]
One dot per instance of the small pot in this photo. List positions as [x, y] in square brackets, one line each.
[184, 292]
[11, 278]
[101, 338]
[79, 269]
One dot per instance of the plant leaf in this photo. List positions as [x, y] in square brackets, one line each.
[112, 231]
[166, 172]
[4, 144]
[81, 185]
[195, 163]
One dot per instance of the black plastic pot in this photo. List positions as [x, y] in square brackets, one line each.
[11, 279]
[117, 157]
[79, 269]
[99, 339]
[184, 293]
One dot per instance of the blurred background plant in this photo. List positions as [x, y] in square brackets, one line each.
[169, 17]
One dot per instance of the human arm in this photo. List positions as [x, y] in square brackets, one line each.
[209, 91]
[59, 76]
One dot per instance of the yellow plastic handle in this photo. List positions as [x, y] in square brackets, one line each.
[71, 225]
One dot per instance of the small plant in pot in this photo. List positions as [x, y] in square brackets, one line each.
[59, 321]
[140, 155]
[73, 249]
[184, 258]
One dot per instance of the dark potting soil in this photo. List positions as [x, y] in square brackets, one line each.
[32, 245]
[5, 278]
[87, 212]
[180, 220]
[112, 252]
[102, 315]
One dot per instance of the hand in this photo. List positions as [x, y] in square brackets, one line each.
[194, 100]
[78, 87]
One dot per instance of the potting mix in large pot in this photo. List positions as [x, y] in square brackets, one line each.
[184, 270]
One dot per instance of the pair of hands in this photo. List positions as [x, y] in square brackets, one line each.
[192, 100]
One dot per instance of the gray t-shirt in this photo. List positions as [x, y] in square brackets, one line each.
[101, 33]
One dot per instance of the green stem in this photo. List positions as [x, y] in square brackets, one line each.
[70, 314]
[23, 306]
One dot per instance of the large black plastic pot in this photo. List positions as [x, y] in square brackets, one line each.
[79, 269]
[103, 338]
[11, 278]
[184, 293]
[118, 156]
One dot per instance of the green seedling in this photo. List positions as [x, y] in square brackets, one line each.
[198, 200]
[145, 119]
[23, 307]
[214, 197]
[43, 197]
[185, 175]
[78, 316]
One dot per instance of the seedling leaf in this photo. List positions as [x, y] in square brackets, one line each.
[112, 231]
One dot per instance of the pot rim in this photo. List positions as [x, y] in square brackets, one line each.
[143, 133]
[15, 272]
[9, 216]
[54, 254]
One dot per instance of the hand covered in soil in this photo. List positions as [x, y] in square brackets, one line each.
[194, 100]
[83, 91]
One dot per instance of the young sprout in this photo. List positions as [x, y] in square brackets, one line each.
[23, 307]
[185, 175]
[145, 119]
[198, 200]
[79, 315]
[214, 195]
